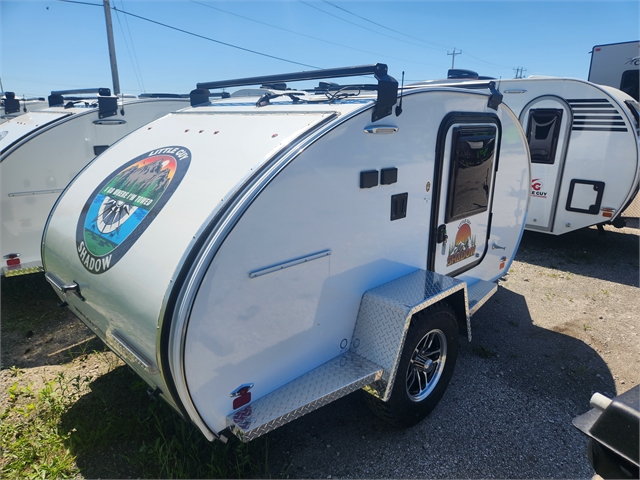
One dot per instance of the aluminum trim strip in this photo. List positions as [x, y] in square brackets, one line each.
[132, 352]
[259, 112]
[34, 192]
[290, 263]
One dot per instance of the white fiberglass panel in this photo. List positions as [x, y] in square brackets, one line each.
[211, 154]
[16, 128]
[273, 328]
[609, 157]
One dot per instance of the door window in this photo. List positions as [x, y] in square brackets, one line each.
[471, 168]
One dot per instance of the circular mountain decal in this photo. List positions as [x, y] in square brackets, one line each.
[121, 208]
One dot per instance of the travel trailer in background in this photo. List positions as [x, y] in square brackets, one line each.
[617, 65]
[584, 145]
[256, 257]
[41, 151]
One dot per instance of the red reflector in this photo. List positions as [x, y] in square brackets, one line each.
[241, 400]
[607, 214]
[598, 49]
[13, 261]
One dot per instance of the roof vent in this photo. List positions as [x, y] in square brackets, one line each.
[464, 74]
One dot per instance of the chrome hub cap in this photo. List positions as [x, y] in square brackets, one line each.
[426, 365]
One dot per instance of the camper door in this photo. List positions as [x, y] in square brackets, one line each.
[546, 121]
[467, 153]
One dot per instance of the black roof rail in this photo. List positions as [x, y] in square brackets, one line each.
[387, 86]
[99, 91]
[57, 97]
[162, 95]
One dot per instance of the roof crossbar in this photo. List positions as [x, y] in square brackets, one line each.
[387, 86]
[101, 91]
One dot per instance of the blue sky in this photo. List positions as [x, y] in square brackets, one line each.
[53, 45]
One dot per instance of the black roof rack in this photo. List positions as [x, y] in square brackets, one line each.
[57, 97]
[387, 86]
[99, 91]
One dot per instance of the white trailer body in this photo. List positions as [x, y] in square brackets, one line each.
[585, 150]
[616, 65]
[254, 259]
[40, 152]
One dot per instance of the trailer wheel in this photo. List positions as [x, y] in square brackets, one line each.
[425, 368]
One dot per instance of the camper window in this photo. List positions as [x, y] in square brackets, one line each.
[471, 169]
[629, 83]
[542, 134]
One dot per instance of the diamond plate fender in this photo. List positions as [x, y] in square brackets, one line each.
[385, 314]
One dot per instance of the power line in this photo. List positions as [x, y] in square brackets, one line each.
[133, 47]
[304, 34]
[380, 25]
[135, 65]
[197, 35]
[406, 34]
[365, 28]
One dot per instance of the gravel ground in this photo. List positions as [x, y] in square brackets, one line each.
[563, 325]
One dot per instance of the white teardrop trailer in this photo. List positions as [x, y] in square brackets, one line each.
[585, 150]
[41, 151]
[255, 258]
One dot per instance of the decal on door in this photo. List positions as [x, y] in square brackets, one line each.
[121, 208]
[464, 245]
[537, 189]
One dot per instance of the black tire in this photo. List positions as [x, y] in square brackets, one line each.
[425, 368]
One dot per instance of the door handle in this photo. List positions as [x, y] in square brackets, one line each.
[441, 235]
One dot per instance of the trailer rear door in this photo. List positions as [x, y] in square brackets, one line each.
[547, 123]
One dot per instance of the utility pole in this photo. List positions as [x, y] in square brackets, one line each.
[519, 72]
[453, 56]
[112, 48]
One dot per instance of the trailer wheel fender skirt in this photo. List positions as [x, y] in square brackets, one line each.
[425, 368]
[385, 318]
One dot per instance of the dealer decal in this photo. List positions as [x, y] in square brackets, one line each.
[121, 208]
[537, 189]
[464, 245]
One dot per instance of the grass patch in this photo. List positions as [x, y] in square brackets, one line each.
[33, 445]
[83, 427]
